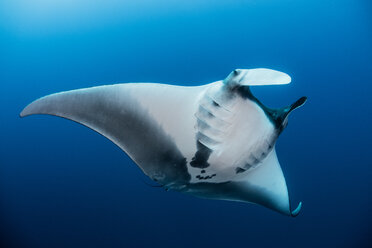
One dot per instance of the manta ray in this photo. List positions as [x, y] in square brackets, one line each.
[213, 141]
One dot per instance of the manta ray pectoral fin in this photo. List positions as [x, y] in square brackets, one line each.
[116, 112]
[260, 76]
[264, 185]
[267, 186]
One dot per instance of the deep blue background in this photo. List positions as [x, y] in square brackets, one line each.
[63, 185]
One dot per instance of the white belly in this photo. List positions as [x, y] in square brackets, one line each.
[236, 130]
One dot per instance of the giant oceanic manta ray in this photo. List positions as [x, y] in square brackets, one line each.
[214, 141]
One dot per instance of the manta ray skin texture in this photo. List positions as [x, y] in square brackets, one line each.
[214, 141]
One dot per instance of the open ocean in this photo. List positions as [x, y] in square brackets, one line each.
[63, 185]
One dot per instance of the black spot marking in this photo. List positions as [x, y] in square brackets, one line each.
[248, 166]
[202, 171]
[216, 104]
[255, 160]
[239, 170]
[201, 156]
[206, 177]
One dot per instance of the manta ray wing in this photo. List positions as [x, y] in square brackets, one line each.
[265, 185]
[267, 179]
[134, 117]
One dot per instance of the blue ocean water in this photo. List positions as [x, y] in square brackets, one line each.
[63, 185]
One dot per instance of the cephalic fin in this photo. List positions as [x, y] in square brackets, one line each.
[260, 76]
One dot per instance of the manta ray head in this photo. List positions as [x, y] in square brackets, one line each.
[279, 116]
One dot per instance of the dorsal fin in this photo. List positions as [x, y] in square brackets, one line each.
[260, 76]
